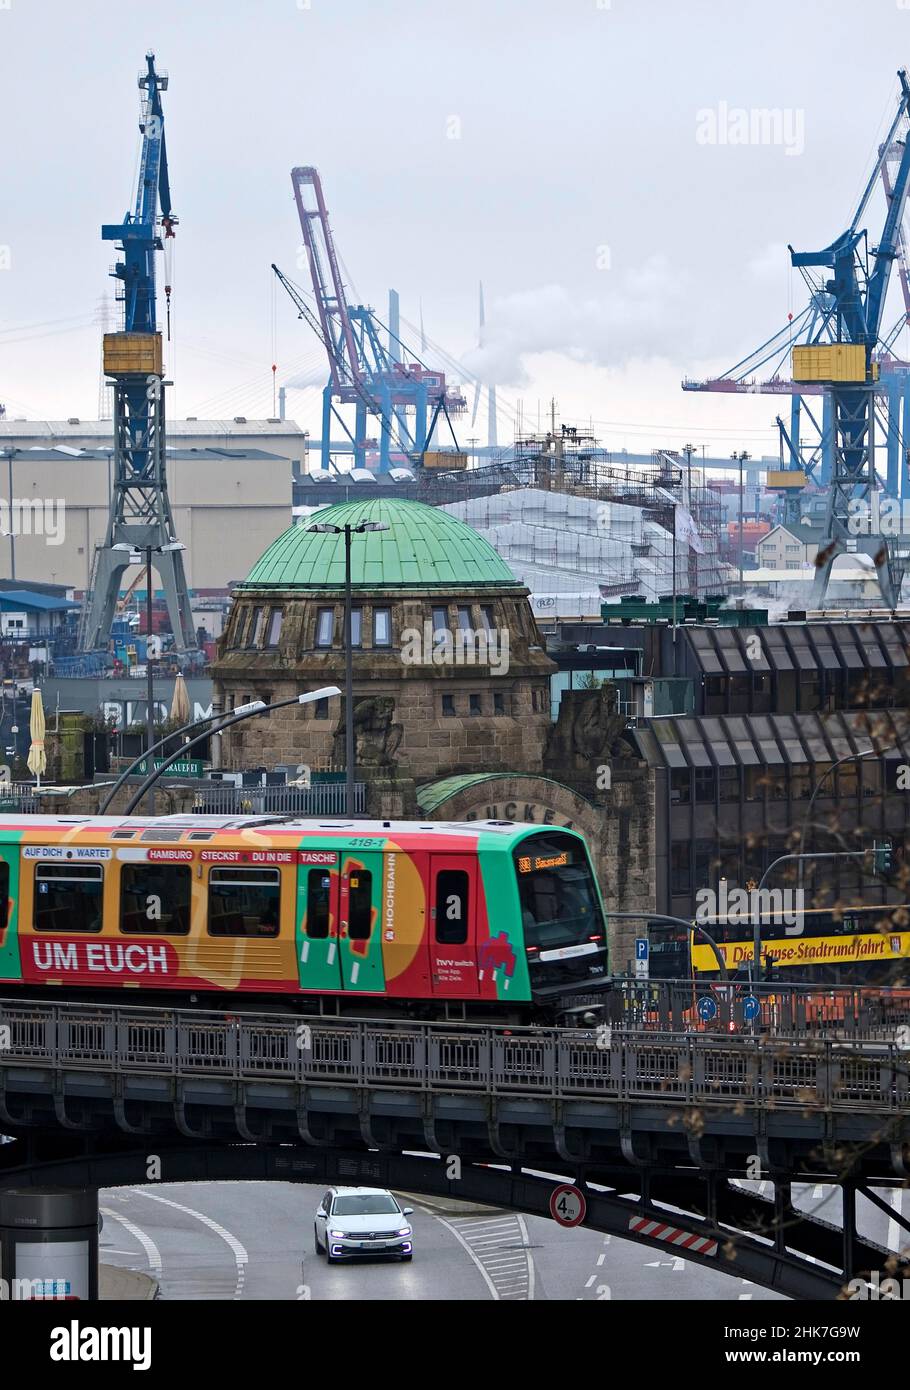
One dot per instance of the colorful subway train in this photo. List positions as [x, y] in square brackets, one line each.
[487, 918]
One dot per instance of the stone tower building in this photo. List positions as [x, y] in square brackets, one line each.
[452, 688]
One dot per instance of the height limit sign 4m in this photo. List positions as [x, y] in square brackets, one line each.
[567, 1205]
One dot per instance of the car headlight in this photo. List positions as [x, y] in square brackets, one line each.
[405, 1231]
[338, 1235]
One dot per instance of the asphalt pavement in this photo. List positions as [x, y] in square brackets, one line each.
[251, 1240]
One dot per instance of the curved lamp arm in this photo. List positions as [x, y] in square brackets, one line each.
[148, 752]
[244, 712]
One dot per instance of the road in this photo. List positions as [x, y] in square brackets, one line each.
[254, 1240]
[824, 1202]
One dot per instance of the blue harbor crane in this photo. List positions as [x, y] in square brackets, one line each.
[844, 310]
[849, 286]
[140, 518]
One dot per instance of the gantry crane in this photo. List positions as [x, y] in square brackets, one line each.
[140, 516]
[840, 357]
[376, 380]
[808, 441]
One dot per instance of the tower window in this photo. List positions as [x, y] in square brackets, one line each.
[254, 634]
[275, 622]
[325, 627]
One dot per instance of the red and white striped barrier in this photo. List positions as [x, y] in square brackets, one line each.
[684, 1240]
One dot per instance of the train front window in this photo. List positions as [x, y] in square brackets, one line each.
[559, 903]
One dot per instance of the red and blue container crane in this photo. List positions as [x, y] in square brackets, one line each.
[387, 384]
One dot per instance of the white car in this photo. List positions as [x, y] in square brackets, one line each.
[354, 1221]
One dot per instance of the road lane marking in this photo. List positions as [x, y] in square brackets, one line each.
[498, 1247]
[532, 1272]
[241, 1258]
[152, 1253]
[494, 1292]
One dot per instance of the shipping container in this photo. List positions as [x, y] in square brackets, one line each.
[830, 362]
[786, 478]
[133, 354]
[445, 461]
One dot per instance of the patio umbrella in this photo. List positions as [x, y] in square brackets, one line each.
[37, 758]
[180, 704]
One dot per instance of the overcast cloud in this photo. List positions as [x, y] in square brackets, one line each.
[584, 159]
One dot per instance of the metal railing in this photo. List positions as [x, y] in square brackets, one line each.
[850, 1012]
[322, 799]
[552, 1063]
[18, 797]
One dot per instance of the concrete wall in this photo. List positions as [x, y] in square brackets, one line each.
[226, 510]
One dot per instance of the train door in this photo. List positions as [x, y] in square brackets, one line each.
[453, 925]
[318, 892]
[360, 937]
[10, 968]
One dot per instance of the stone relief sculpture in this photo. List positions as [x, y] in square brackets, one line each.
[377, 737]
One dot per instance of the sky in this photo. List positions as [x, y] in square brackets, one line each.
[598, 164]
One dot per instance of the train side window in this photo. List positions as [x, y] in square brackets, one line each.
[244, 902]
[4, 895]
[68, 897]
[452, 907]
[360, 904]
[318, 892]
[155, 898]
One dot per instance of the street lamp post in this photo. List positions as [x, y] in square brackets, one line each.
[676, 922]
[848, 758]
[801, 856]
[144, 757]
[149, 674]
[242, 712]
[12, 524]
[348, 530]
[740, 458]
[755, 964]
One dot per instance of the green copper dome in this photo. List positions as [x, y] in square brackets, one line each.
[424, 548]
